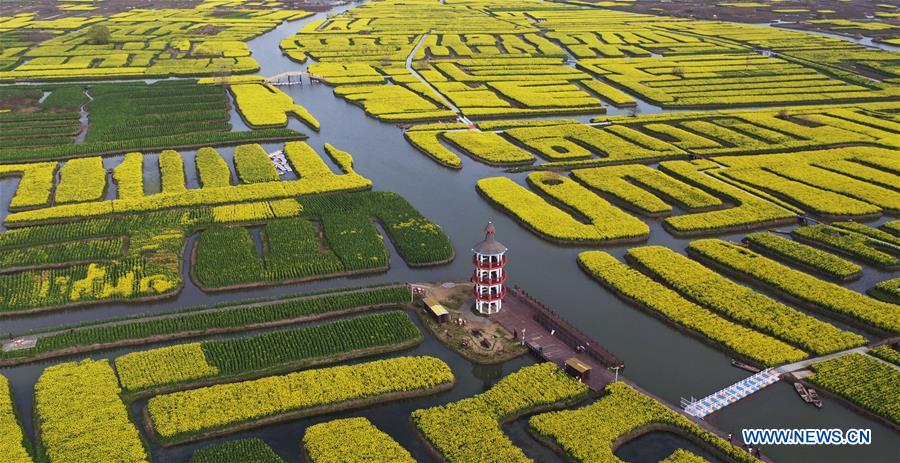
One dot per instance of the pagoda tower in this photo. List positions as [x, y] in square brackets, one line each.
[489, 257]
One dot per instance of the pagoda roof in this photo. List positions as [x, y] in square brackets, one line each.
[489, 245]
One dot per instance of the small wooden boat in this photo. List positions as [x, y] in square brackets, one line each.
[744, 366]
[814, 397]
[802, 392]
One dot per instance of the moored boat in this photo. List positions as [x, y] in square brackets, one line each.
[744, 366]
[814, 397]
[802, 392]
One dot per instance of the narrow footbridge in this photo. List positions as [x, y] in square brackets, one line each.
[729, 395]
[280, 78]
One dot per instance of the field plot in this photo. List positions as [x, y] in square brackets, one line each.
[440, 60]
[141, 43]
[119, 118]
[280, 350]
[187, 415]
[528, 390]
[75, 254]
[266, 106]
[13, 441]
[716, 195]
[730, 80]
[843, 59]
[863, 380]
[866, 17]
[352, 440]
[29, 123]
[606, 223]
[237, 451]
[591, 433]
[711, 306]
[804, 256]
[658, 137]
[887, 290]
[882, 251]
[643, 291]
[193, 322]
[81, 416]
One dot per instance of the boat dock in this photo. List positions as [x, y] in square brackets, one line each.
[554, 339]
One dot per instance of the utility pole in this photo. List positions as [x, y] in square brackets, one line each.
[616, 368]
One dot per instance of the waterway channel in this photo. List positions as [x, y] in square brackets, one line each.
[659, 358]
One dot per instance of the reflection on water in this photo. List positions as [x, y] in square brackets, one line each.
[488, 374]
[655, 446]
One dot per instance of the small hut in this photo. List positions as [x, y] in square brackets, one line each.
[577, 368]
[436, 310]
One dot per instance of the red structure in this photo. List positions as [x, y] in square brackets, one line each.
[489, 257]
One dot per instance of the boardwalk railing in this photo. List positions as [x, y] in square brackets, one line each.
[565, 332]
[729, 395]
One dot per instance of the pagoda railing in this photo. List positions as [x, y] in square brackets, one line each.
[488, 265]
[564, 331]
[489, 297]
[488, 281]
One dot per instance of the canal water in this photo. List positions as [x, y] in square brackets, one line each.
[659, 358]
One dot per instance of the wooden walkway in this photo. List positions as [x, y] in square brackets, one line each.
[553, 338]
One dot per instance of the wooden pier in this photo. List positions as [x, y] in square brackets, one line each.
[554, 339]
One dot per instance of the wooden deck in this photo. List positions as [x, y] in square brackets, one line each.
[522, 312]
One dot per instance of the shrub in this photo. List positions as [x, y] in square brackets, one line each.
[98, 35]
